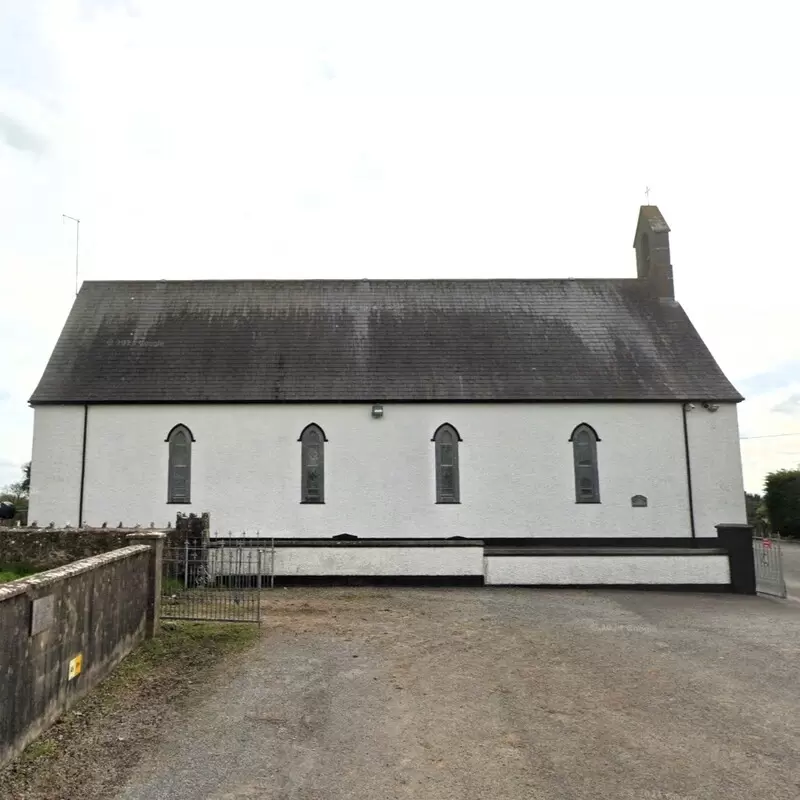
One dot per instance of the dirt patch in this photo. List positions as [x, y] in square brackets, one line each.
[92, 748]
[306, 610]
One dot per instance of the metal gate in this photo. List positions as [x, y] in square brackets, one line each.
[211, 581]
[769, 565]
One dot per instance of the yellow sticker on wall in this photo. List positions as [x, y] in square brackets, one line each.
[75, 666]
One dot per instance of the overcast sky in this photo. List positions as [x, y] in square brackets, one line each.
[415, 139]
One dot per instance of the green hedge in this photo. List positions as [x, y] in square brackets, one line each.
[782, 500]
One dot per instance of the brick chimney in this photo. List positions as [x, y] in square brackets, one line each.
[652, 252]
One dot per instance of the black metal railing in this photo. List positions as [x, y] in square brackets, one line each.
[223, 583]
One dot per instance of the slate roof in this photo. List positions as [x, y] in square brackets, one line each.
[392, 340]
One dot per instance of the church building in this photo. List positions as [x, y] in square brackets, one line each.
[445, 425]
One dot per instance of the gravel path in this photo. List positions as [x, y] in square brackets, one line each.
[374, 694]
[791, 567]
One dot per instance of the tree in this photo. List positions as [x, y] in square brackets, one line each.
[756, 510]
[782, 501]
[18, 492]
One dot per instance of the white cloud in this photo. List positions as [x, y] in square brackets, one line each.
[356, 139]
[790, 406]
[770, 423]
[17, 135]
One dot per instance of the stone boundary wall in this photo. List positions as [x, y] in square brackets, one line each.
[49, 548]
[63, 630]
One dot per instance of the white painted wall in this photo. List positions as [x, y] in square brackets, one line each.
[716, 467]
[397, 561]
[587, 570]
[516, 469]
[56, 465]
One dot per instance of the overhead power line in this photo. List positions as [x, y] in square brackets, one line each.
[770, 435]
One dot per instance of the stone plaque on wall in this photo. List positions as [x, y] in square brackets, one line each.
[639, 501]
[42, 614]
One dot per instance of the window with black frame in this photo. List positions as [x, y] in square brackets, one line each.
[312, 444]
[584, 455]
[179, 471]
[446, 441]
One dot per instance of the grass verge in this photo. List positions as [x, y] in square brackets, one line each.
[92, 748]
[10, 572]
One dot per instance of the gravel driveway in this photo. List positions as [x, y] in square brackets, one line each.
[791, 567]
[375, 694]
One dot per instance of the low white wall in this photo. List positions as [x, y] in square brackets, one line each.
[377, 561]
[462, 561]
[576, 570]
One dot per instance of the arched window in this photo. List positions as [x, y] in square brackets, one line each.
[179, 471]
[312, 482]
[584, 454]
[446, 441]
